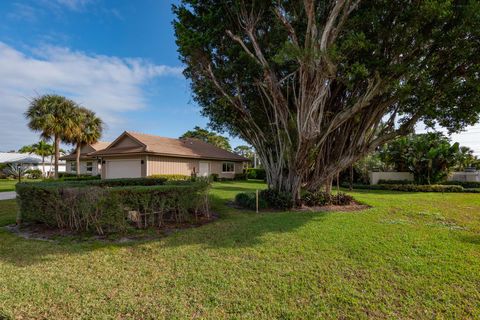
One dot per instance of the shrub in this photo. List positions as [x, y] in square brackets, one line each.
[34, 173]
[240, 176]
[412, 187]
[342, 199]
[465, 184]
[170, 177]
[248, 200]
[318, 198]
[214, 176]
[277, 199]
[256, 173]
[321, 198]
[106, 209]
[382, 181]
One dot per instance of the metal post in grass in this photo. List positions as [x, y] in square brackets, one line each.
[256, 200]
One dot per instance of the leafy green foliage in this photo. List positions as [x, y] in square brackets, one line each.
[34, 173]
[465, 184]
[430, 156]
[320, 198]
[277, 199]
[316, 85]
[248, 200]
[209, 137]
[256, 173]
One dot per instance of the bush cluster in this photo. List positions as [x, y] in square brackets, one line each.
[412, 187]
[465, 184]
[277, 199]
[256, 173]
[34, 173]
[321, 198]
[240, 176]
[105, 208]
[382, 181]
[248, 200]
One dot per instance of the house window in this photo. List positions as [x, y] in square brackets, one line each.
[228, 167]
[73, 166]
[89, 166]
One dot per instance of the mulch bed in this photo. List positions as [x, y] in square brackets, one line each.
[355, 206]
[43, 232]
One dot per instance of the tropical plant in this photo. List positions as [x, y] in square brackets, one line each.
[314, 86]
[54, 117]
[430, 156]
[209, 137]
[87, 131]
[17, 170]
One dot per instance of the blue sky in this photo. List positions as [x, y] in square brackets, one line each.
[117, 57]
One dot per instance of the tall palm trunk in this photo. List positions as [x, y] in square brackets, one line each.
[77, 151]
[57, 154]
[43, 165]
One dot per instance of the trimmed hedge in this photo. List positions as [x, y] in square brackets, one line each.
[170, 177]
[123, 182]
[465, 184]
[382, 181]
[412, 187]
[256, 173]
[106, 209]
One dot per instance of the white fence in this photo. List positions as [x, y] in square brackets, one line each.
[376, 176]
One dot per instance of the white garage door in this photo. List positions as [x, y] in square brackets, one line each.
[123, 169]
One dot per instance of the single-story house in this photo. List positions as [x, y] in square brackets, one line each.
[88, 164]
[134, 155]
[32, 161]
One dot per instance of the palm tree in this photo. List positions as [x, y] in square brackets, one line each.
[89, 130]
[53, 116]
[43, 149]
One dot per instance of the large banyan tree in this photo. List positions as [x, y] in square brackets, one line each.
[316, 85]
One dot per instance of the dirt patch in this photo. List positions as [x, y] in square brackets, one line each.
[43, 232]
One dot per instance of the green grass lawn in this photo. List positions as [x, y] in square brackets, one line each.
[7, 185]
[411, 256]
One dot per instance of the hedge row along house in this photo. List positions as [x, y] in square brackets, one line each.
[134, 155]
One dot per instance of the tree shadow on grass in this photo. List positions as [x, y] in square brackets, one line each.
[234, 229]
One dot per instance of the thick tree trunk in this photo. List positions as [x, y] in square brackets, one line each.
[57, 154]
[77, 151]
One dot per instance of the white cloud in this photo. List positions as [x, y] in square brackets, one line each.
[107, 85]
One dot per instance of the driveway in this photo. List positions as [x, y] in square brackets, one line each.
[8, 195]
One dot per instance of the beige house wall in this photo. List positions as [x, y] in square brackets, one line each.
[186, 166]
[96, 167]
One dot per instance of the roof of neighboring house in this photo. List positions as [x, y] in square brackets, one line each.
[15, 157]
[185, 148]
[97, 146]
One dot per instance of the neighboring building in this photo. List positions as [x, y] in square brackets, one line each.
[88, 164]
[32, 161]
[392, 175]
[134, 155]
